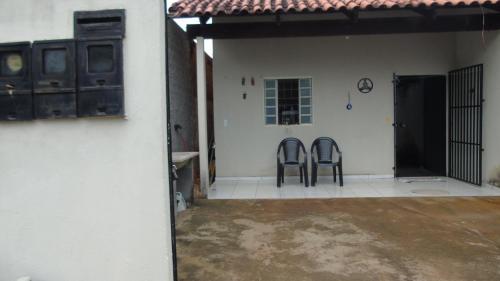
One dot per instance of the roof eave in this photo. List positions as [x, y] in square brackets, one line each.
[369, 8]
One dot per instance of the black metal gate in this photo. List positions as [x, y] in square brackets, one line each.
[465, 124]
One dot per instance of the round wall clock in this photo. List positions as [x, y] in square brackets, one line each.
[365, 85]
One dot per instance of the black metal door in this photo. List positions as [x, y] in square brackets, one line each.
[465, 124]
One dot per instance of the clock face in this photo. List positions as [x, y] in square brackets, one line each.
[11, 64]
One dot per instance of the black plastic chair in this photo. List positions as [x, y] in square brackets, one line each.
[325, 152]
[291, 152]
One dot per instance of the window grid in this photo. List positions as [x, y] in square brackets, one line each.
[270, 86]
[305, 93]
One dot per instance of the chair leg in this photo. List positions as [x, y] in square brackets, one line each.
[341, 175]
[313, 174]
[283, 174]
[305, 175]
[334, 174]
[278, 176]
[301, 176]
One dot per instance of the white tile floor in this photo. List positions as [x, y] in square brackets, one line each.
[265, 188]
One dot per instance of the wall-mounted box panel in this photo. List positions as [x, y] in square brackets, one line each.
[16, 99]
[101, 103]
[16, 107]
[99, 24]
[100, 77]
[100, 64]
[54, 79]
[54, 66]
[54, 106]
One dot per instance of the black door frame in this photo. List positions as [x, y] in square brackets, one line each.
[395, 81]
[170, 186]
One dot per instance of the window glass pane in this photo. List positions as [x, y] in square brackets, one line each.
[305, 92]
[270, 120]
[305, 110]
[271, 111]
[270, 102]
[305, 101]
[270, 84]
[305, 119]
[101, 58]
[270, 93]
[11, 64]
[305, 83]
[288, 101]
[54, 61]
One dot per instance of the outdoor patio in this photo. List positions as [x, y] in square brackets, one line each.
[354, 187]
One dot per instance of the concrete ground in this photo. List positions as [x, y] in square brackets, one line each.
[340, 239]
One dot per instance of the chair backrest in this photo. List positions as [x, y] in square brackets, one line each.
[324, 149]
[291, 149]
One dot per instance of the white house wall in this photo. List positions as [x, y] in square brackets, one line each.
[247, 147]
[472, 49]
[87, 199]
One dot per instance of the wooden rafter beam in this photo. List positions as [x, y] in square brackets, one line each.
[495, 8]
[351, 15]
[204, 19]
[428, 13]
[345, 27]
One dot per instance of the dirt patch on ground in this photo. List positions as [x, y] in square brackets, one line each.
[420, 239]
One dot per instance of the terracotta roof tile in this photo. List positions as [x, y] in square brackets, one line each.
[196, 8]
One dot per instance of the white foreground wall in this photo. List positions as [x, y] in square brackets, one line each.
[87, 199]
[247, 147]
[473, 49]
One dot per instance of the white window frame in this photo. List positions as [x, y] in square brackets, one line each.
[275, 102]
[311, 115]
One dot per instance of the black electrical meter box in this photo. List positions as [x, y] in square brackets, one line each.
[54, 79]
[100, 78]
[107, 24]
[99, 36]
[16, 97]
